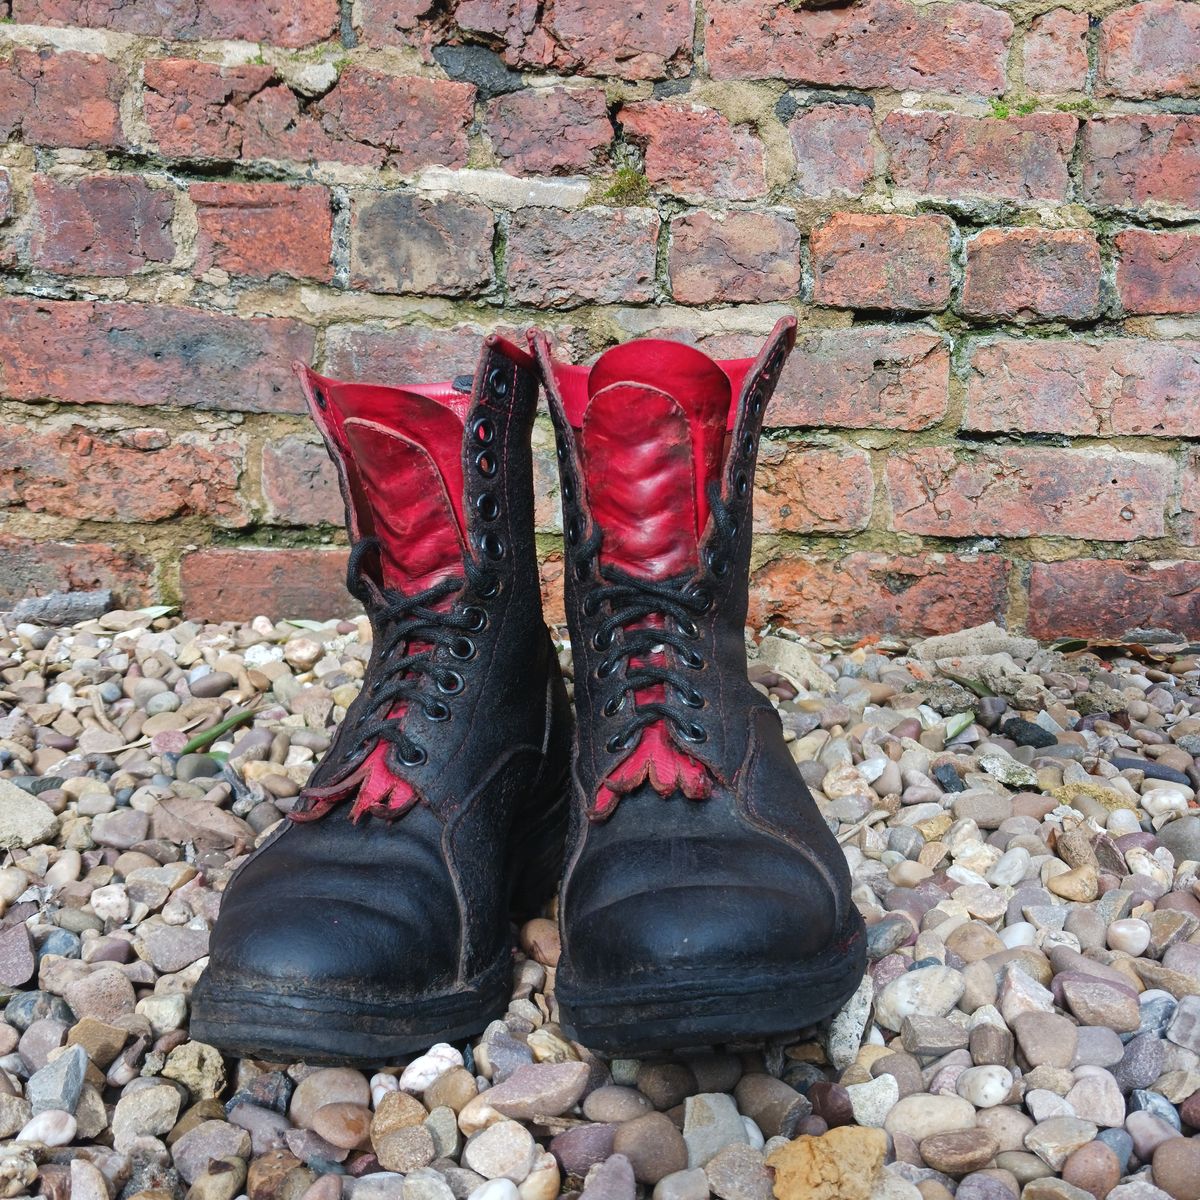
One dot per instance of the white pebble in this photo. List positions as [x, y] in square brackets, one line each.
[1019, 933]
[985, 1086]
[1158, 801]
[754, 1134]
[381, 1084]
[1130, 935]
[421, 1072]
[111, 903]
[51, 1128]
[1011, 869]
[1122, 821]
[496, 1189]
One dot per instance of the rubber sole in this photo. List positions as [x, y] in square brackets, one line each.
[252, 1020]
[702, 1008]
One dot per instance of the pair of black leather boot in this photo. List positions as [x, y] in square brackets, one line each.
[703, 899]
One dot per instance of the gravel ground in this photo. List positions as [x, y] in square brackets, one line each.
[1020, 823]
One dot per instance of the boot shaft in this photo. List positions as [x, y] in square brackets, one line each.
[657, 446]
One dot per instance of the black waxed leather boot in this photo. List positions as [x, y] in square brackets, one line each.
[376, 921]
[704, 898]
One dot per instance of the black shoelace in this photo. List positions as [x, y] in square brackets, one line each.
[398, 620]
[633, 601]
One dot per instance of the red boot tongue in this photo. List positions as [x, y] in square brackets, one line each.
[652, 440]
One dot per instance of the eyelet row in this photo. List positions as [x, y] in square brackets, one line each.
[483, 433]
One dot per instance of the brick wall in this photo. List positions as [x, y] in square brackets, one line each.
[986, 219]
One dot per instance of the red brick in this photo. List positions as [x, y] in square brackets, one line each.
[201, 110]
[198, 109]
[410, 354]
[952, 47]
[292, 23]
[696, 152]
[237, 584]
[948, 154]
[865, 261]
[1115, 386]
[1029, 492]
[834, 154]
[256, 230]
[300, 483]
[549, 131]
[587, 37]
[406, 244]
[1158, 272]
[866, 593]
[1187, 524]
[1151, 49]
[812, 490]
[30, 567]
[61, 99]
[134, 475]
[101, 225]
[551, 571]
[1131, 159]
[734, 256]
[594, 255]
[107, 353]
[1107, 598]
[1056, 52]
[391, 22]
[1047, 273]
[868, 377]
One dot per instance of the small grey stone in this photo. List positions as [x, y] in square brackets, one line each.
[711, 1122]
[24, 820]
[57, 1085]
[610, 1180]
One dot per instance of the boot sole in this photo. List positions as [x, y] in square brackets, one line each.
[256, 1020]
[707, 1009]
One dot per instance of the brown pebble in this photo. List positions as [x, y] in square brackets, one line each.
[958, 1151]
[1093, 1167]
[345, 1125]
[1176, 1168]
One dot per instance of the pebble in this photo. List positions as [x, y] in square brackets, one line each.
[505, 1150]
[711, 1122]
[653, 1146]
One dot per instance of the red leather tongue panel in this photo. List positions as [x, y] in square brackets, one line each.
[637, 454]
[411, 506]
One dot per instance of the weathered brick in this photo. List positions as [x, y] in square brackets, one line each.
[1187, 523]
[865, 593]
[812, 489]
[547, 508]
[1158, 272]
[111, 353]
[867, 261]
[1108, 598]
[549, 131]
[61, 99]
[1151, 49]
[1029, 492]
[300, 483]
[1041, 273]
[551, 572]
[952, 47]
[101, 224]
[1056, 52]
[198, 109]
[956, 156]
[601, 255]
[237, 584]
[734, 256]
[1131, 159]
[412, 353]
[256, 230]
[201, 110]
[588, 37]
[832, 145]
[35, 567]
[407, 244]
[696, 152]
[868, 377]
[133, 475]
[1115, 386]
[292, 23]
[391, 22]
[6, 198]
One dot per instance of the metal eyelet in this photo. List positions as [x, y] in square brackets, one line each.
[703, 598]
[616, 744]
[748, 445]
[487, 506]
[415, 758]
[488, 590]
[693, 733]
[560, 449]
[437, 711]
[319, 397]
[692, 660]
[607, 667]
[692, 699]
[462, 648]
[717, 565]
[602, 639]
[476, 616]
[450, 683]
[573, 531]
[688, 629]
[741, 483]
[614, 704]
[734, 526]
[568, 489]
[756, 401]
[485, 463]
[497, 382]
[591, 605]
[484, 431]
[492, 545]
[582, 572]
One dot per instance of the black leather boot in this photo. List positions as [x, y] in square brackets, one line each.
[705, 899]
[376, 921]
